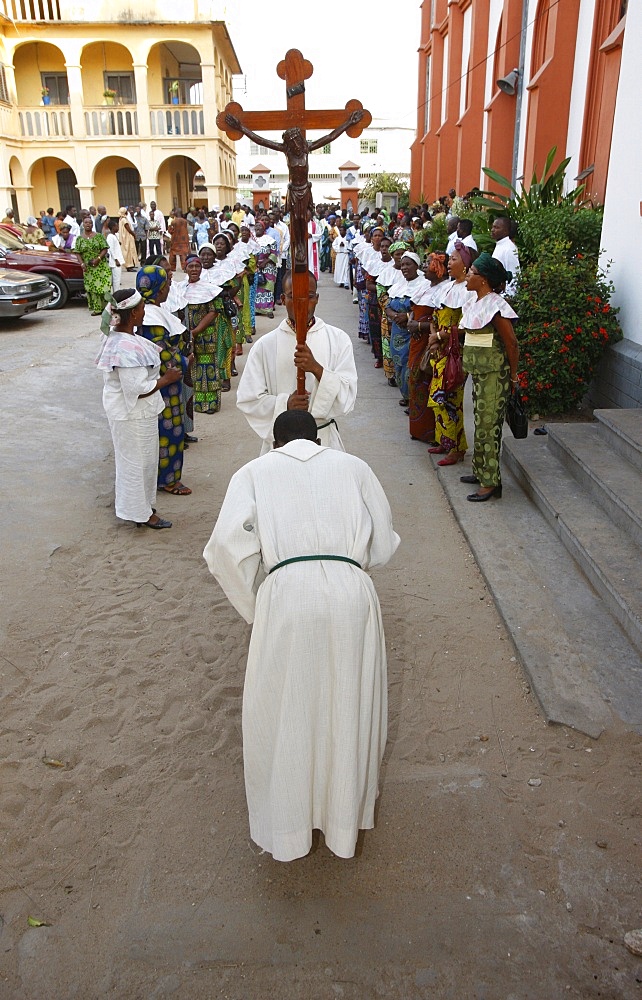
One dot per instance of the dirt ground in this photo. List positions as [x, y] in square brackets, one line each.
[505, 863]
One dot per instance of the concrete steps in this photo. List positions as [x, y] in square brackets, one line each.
[586, 479]
[564, 574]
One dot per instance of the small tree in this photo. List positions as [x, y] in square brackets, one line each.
[542, 192]
[386, 182]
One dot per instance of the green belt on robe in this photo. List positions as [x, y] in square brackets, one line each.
[295, 559]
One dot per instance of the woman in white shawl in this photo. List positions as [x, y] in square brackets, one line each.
[132, 401]
[161, 327]
[202, 326]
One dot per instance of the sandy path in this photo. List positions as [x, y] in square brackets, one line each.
[122, 659]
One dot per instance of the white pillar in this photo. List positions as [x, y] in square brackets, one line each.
[142, 100]
[76, 100]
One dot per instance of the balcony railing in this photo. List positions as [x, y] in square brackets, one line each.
[111, 121]
[185, 120]
[45, 123]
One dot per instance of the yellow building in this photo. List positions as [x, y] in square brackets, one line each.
[66, 141]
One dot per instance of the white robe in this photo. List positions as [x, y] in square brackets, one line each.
[315, 695]
[269, 378]
[342, 262]
[130, 365]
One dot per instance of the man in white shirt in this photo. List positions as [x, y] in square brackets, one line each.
[451, 229]
[297, 533]
[156, 230]
[464, 232]
[505, 250]
[268, 386]
[249, 218]
[70, 220]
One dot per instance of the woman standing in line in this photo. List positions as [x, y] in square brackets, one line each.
[408, 286]
[93, 250]
[201, 321]
[448, 407]
[132, 402]
[164, 330]
[421, 416]
[491, 356]
[266, 267]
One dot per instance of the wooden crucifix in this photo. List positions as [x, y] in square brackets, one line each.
[236, 122]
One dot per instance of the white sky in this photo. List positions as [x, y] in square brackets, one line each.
[363, 49]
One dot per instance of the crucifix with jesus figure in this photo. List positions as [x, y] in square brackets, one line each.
[294, 121]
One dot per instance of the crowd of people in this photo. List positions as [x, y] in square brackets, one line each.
[430, 317]
[198, 322]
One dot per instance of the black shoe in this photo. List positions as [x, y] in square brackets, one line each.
[156, 524]
[482, 497]
[469, 479]
[403, 402]
[392, 382]
[190, 439]
[407, 412]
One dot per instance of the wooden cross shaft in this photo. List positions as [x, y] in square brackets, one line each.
[294, 122]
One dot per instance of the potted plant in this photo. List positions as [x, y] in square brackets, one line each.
[173, 90]
[45, 95]
[109, 95]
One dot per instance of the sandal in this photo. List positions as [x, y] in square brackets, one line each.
[177, 490]
[452, 458]
[226, 385]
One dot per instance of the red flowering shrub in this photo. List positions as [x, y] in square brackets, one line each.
[565, 323]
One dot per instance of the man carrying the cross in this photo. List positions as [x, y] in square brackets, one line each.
[297, 532]
[267, 386]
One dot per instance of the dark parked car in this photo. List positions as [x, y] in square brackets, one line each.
[22, 292]
[63, 270]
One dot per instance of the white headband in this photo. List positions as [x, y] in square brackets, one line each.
[129, 303]
[412, 256]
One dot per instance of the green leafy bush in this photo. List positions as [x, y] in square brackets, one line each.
[579, 228]
[565, 323]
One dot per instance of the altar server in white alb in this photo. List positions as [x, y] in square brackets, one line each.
[298, 530]
[267, 386]
[342, 261]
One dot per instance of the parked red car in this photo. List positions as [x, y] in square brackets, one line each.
[63, 270]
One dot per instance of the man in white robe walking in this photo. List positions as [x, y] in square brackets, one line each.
[298, 529]
[267, 386]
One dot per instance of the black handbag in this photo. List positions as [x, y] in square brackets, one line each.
[516, 415]
[230, 308]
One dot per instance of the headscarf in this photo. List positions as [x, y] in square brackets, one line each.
[438, 263]
[493, 270]
[149, 281]
[208, 246]
[399, 245]
[412, 256]
[122, 211]
[466, 253]
[32, 221]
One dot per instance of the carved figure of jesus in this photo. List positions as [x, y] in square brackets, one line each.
[299, 197]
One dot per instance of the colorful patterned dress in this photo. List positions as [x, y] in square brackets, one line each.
[486, 361]
[97, 278]
[267, 265]
[421, 418]
[206, 379]
[171, 431]
[448, 407]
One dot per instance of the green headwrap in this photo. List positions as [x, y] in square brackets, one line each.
[493, 270]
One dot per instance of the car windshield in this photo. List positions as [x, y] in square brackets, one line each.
[9, 241]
